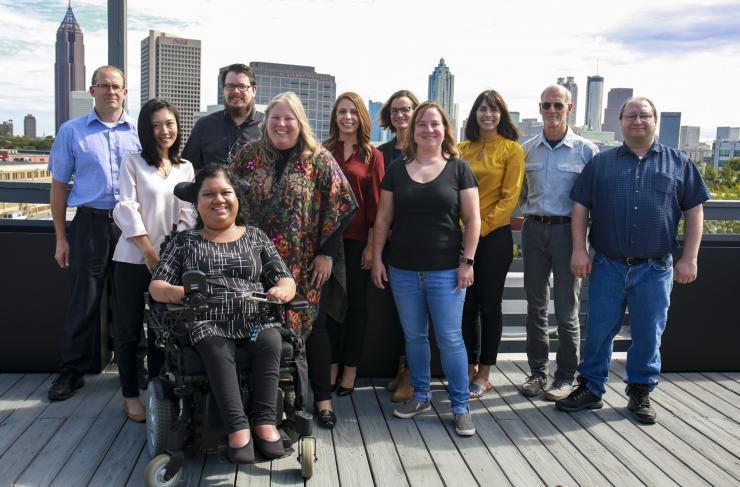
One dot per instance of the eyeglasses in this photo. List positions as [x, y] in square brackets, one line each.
[241, 87]
[404, 110]
[546, 105]
[104, 86]
[634, 116]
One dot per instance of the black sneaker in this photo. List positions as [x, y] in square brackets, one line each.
[65, 385]
[639, 403]
[580, 398]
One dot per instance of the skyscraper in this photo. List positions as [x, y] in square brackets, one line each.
[117, 33]
[614, 101]
[670, 128]
[317, 91]
[570, 85]
[29, 126]
[377, 134]
[594, 99]
[442, 90]
[688, 139]
[220, 89]
[69, 65]
[728, 133]
[170, 69]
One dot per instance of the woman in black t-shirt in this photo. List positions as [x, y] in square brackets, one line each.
[431, 257]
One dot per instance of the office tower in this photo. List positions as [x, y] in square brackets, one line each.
[594, 96]
[614, 101]
[117, 34]
[377, 134]
[6, 128]
[442, 90]
[515, 117]
[670, 128]
[317, 91]
[29, 126]
[528, 128]
[69, 66]
[80, 103]
[724, 150]
[570, 85]
[728, 133]
[170, 69]
[220, 89]
[688, 139]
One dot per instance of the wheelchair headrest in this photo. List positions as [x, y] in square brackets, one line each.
[186, 192]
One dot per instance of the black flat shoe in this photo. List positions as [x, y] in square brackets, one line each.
[344, 391]
[243, 455]
[327, 418]
[270, 449]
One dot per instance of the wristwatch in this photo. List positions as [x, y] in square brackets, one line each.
[465, 260]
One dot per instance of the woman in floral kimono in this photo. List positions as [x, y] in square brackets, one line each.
[298, 195]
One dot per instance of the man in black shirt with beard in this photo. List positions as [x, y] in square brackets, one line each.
[217, 137]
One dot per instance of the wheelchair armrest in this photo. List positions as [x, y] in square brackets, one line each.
[297, 303]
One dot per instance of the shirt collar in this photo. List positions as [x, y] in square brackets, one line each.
[623, 149]
[568, 139]
[93, 116]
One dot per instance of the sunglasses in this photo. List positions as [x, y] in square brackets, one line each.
[546, 105]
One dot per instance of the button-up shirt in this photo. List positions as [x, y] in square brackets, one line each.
[216, 136]
[551, 172]
[92, 151]
[636, 203]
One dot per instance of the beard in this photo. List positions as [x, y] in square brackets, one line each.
[239, 112]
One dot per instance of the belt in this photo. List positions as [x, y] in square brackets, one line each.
[635, 260]
[95, 211]
[550, 220]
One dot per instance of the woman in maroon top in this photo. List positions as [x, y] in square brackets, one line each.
[362, 164]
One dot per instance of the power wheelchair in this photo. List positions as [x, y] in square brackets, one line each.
[181, 411]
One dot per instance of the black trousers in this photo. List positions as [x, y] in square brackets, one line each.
[130, 282]
[318, 356]
[218, 356]
[347, 338]
[482, 317]
[92, 240]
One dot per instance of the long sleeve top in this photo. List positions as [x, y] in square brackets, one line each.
[498, 164]
[147, 206]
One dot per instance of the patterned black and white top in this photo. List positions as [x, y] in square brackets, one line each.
[233, 269]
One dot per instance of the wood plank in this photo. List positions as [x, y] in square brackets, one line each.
[255, 475]
[724, 381]
[115, 468]
[104, 382]
[325, 468]
[530, 411]
[15, 460]
[688, 445]
[727, 399]
[218, 470]
[8, 380]
[137, 474]
[352, 461]
[192, 469]
[381, 452]
[27, 411]
[415, 458]
[480, 462]
[287, 471]
[450, 464]
[14, 398]
[85, 459]
[732, 375]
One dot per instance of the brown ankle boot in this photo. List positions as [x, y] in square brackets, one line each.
[404, 391]
[393, 384]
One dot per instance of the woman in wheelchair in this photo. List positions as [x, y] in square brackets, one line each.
[237, 260]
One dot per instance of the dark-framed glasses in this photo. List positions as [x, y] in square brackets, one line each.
[105, 86]
[241, 87]
[546, 105]
[631, 117]
[404, 110]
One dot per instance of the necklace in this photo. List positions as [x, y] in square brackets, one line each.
[165, 169]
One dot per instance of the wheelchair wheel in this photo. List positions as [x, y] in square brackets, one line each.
[307, 455]
[160, 415]
[155, 472]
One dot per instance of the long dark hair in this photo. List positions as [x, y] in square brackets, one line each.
[212, 171]
[506, 127]
[363, 129]
[149, 150]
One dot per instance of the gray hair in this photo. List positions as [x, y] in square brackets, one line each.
[562, 89]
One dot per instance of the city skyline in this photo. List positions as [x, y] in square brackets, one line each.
[627, 52]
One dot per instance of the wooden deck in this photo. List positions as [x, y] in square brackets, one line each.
[86, 440]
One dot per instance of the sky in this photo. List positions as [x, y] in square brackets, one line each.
[685, 55]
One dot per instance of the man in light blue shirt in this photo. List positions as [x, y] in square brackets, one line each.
[89, 149]
[553, 161]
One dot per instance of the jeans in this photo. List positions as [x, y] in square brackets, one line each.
[547, 247]
[417, 293]
[645, 290]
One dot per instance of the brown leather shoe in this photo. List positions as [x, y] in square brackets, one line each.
[136, 418]
[404, 391]
[393, 384]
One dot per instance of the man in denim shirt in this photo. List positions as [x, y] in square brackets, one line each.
[90, 149]
[553, 161]
[635, 194]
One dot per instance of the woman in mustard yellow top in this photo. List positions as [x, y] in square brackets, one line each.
[497, 160]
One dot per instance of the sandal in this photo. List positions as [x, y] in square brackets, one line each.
[477, 391]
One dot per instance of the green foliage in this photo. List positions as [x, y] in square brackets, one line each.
[724, 185]
[25, 143]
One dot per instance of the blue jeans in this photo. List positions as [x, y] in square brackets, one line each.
[613, 286]
[417, 293]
